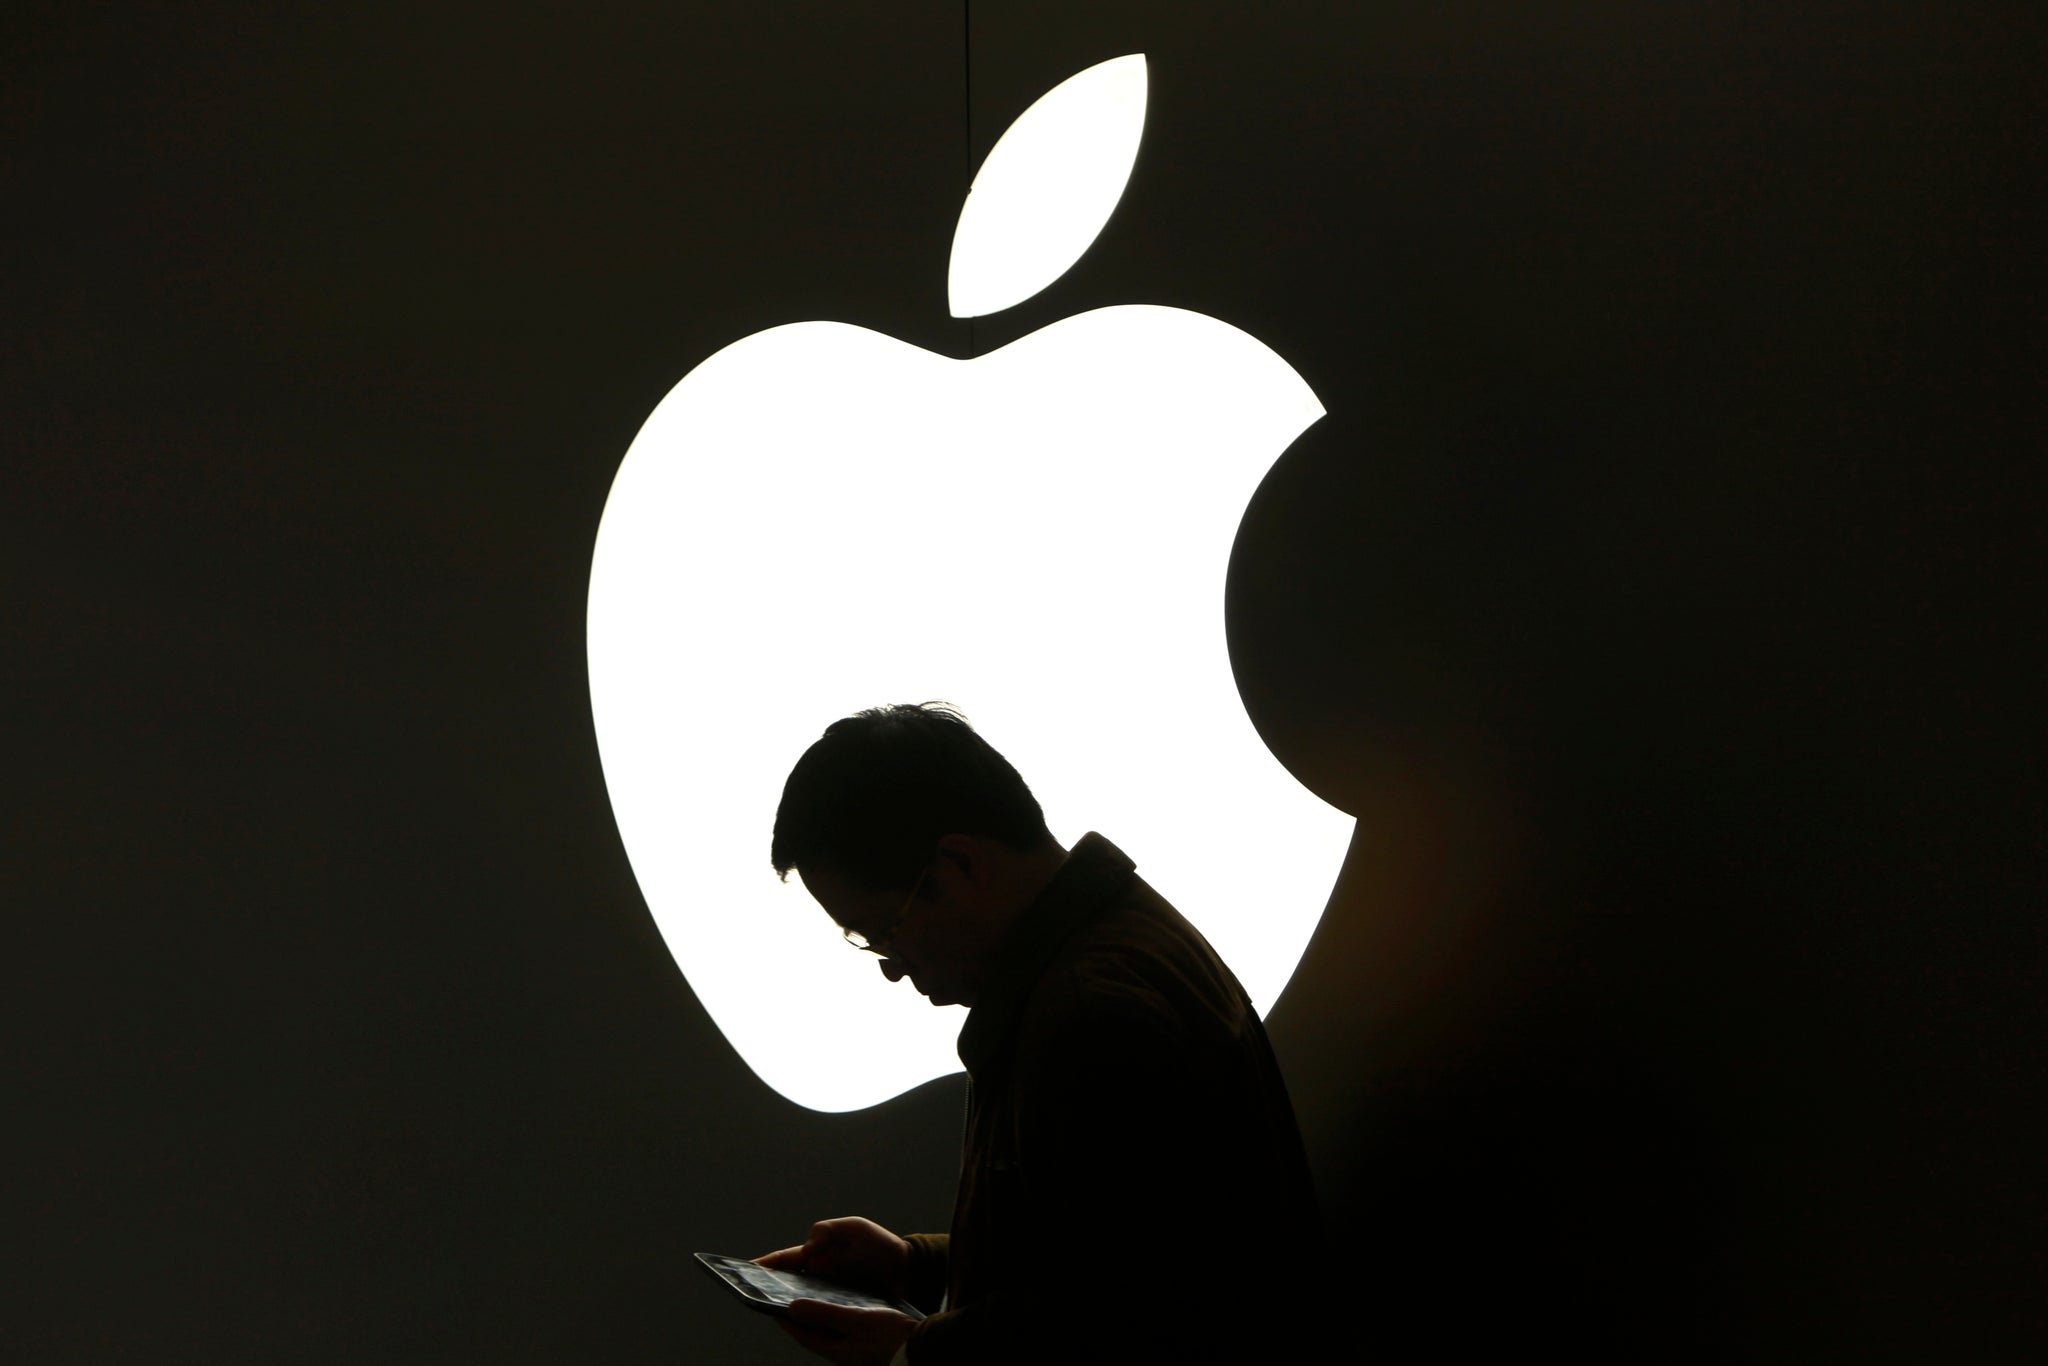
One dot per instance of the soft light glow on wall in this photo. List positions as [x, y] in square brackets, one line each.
[820, 518]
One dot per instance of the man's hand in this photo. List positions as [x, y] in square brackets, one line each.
[853, 1251]
[844, 1335]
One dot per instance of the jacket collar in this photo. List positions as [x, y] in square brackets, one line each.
[1095, 873]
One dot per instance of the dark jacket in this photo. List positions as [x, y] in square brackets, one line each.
[1131, 1165]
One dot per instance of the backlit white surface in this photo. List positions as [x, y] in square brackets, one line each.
[1047, 187]
[820, 518]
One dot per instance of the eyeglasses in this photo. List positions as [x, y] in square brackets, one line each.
[879, 944]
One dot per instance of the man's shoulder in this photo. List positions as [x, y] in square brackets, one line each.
[1138, 963]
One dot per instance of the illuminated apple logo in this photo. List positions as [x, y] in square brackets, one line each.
[819, 518]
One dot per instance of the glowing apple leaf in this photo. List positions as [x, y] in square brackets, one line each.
[1048, 186]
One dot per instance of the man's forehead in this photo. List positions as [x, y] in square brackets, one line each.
[840, 898]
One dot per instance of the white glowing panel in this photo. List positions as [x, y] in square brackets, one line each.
[1049, 184]
[820, 518]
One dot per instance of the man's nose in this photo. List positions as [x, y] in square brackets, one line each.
[892, 969]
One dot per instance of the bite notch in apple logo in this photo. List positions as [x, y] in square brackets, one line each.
[820, 518]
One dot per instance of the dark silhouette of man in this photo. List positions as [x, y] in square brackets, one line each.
[1132, 1185]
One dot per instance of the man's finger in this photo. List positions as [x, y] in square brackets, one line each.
[813, 1340]
[822, 1314]
[835, 1230]
[782, 1259]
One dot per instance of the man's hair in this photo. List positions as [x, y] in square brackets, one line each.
[872, 797]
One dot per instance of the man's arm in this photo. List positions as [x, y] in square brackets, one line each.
[925, 1283]
[1123, 1156]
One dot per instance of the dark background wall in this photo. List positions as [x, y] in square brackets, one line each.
[1655, 593]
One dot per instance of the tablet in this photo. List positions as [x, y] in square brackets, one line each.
[771, 1291]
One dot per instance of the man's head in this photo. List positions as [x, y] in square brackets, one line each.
[914, 834]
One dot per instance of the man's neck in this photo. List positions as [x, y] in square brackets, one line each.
[1023, 876]
[1036, 869]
